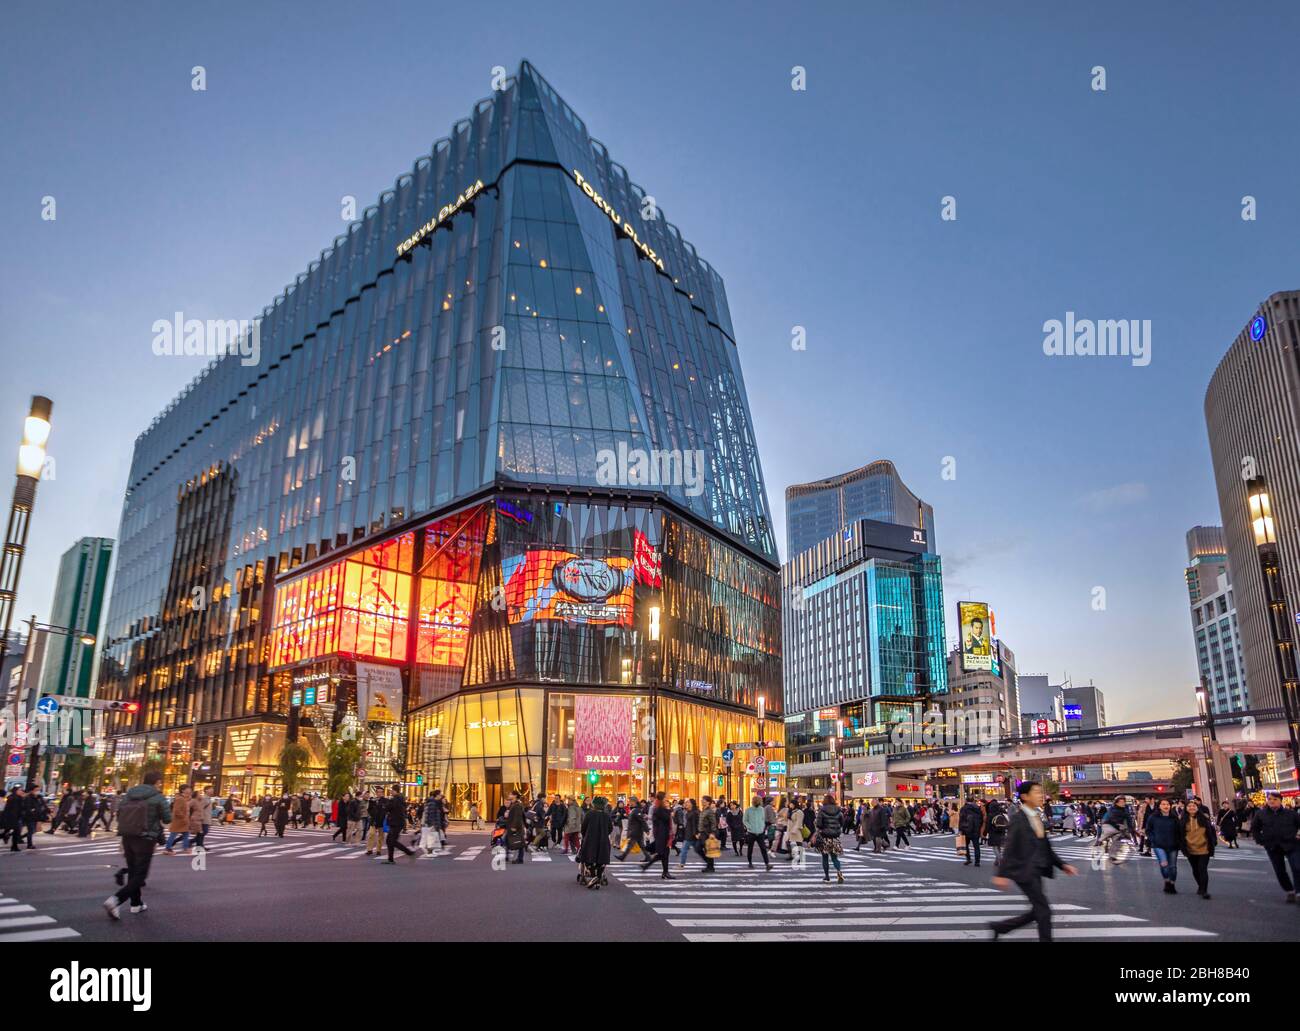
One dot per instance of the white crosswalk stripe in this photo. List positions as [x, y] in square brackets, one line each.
[21, 923]
[876, 902]
[238, 846]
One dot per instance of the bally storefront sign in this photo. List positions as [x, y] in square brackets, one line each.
[602, 732]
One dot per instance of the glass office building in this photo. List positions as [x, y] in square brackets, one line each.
[816, 510]
[863, 645]
[490, 495]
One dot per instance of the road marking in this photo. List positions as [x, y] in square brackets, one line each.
[25, 921]
[894, 921]
[955, 934]
[40, 936]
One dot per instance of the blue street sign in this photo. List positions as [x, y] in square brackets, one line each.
[728, 755]
[47, 706]
[16, 759]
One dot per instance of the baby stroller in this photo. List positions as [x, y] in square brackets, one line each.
[592, 877]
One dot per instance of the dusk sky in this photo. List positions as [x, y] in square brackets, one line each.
[820, 208]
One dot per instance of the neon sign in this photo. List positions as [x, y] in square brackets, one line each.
[618, 220]
[444, 213]
[1257, 327]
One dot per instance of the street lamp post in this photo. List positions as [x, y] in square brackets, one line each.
[20, 692]
[654, 703]
[31, 461]
[1260, 508]
[1209, 744]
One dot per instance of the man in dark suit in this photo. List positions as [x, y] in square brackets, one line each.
[1028, 858]
[661, 820]
[397, 823]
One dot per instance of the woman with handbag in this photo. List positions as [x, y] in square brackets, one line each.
[795, 833]
[736, 825]
[689, 831]
[828, 838]
[707, 834]
[1198, 841]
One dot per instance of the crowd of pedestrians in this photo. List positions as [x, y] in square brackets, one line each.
[667, 833]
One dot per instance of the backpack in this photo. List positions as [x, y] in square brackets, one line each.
[133, 818]
[1000, 821]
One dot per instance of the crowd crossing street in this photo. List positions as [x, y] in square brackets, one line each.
[241, 885]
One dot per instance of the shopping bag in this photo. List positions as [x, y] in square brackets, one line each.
[960, 842]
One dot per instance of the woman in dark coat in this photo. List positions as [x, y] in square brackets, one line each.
[1228, 825]
[265, 809]
[594, 853]
[281, 816]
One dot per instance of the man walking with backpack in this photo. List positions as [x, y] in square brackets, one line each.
[140, 819]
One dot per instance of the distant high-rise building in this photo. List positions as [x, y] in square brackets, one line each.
[79, 595]
[862, 643]
[1085, 709]
[989, 690]
[1214, 620]
[1251, 408]
[1038, 695]
[816, 510]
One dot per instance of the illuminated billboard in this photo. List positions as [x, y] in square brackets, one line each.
[976, 636]
[550, 584]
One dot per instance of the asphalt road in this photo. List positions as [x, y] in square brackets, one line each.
[305, 888]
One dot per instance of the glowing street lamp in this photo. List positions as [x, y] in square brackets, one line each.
[31, 460]
[1260, 510]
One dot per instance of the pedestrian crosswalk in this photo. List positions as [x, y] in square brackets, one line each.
[737, 903]
[21, 923]
[237, 846]
[940, 848]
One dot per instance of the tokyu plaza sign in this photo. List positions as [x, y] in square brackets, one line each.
[445, 212]
[470, 192]
[618, 220]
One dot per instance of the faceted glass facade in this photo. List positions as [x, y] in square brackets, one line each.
[512, 309]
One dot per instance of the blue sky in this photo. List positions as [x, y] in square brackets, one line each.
[820, 208]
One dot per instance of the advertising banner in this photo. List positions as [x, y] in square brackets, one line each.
[550, 584]
[976, 636]
[379, 693]
[602, 732]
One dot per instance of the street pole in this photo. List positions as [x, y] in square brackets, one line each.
[1260, 514]
[1209, 744]
[31, 462]
[654, 702]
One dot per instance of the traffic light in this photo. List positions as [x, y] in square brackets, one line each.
[593, 777]
[419, 780]
[129, 706]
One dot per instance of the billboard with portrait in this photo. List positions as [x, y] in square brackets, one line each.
[976, 636]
